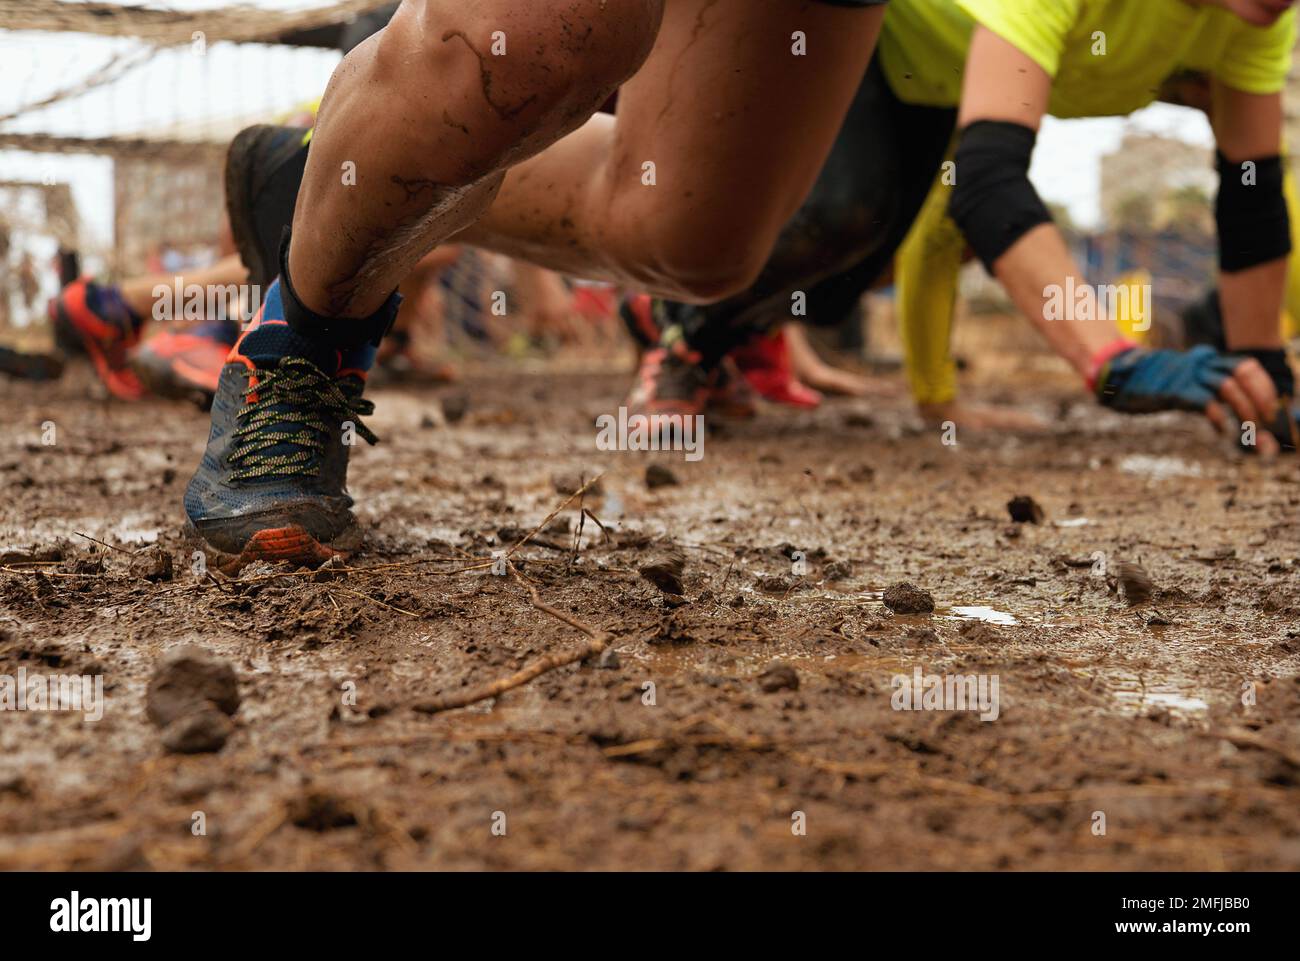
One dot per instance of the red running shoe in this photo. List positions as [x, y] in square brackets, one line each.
[765, 363]
[184, 361]
[93, 318]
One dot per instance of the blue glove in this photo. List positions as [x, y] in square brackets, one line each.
[1139, 381]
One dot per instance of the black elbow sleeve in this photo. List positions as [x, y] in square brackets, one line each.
[1250, 210]
[993, 201]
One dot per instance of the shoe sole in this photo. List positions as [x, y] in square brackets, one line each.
[239, 208]
[159, 379]
[241, 175]
[278, 545]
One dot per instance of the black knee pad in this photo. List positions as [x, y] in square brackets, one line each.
[1250, 210]
[993, 201]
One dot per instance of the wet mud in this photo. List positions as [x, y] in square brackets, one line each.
[745, 712]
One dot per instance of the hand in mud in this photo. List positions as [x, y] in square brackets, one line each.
[1142, 381]
[981, 417]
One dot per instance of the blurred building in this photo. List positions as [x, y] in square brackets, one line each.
[1152, 182]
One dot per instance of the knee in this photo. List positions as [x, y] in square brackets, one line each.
[699, 258]
[695, 261]
[533, 60]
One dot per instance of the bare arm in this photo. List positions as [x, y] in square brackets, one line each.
[1002, 83]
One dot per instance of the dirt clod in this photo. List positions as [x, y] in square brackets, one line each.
[665, 572]
[977, 632]
[454, 407]
[186, 680]
[778, 677]
[656, 476]
[906, 598]
[153, 564]
[922, 636]
[1133, 582]
[837, 571]
[203, 732]
[566, 484]
[1024, 510]
[330, 570]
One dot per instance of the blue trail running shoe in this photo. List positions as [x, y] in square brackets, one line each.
[272, 484]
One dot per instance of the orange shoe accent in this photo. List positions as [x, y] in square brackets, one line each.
[279, 544]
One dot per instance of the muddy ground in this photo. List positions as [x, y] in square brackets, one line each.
[772, 689]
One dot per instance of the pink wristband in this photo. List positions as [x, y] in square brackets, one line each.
[1104, 357]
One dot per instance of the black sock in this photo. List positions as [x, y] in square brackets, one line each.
[341, 332]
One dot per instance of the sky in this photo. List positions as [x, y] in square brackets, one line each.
[225, 86]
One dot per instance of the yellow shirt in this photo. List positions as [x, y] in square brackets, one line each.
[1106, 57]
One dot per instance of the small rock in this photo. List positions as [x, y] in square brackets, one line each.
[454, 407]
[33, 555]
[922, 636]
[1133, 582]
[330, 570]
[609, 659]
[203, 732]
[186, 680]
[977, 632]
[665, 572]
[837, 571]
[322, 811]
[566, 484]
[862, 473]
[905, 598]
[152, 565]
[1024, 510]
[656, 476]
[778, 677]
[14, 784]
[777, 584]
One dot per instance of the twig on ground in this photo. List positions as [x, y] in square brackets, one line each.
[120, 550]
[367, 597]
[551, 516]
[599, 640]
